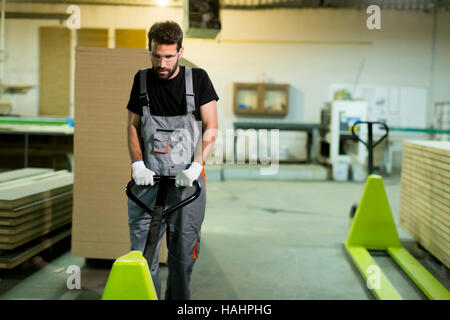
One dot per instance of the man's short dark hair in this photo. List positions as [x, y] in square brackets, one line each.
[167, 32]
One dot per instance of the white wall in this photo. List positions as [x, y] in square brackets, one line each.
[399, 54]
[22, 40]
[22, 62]
[441, 81]
[309, 49]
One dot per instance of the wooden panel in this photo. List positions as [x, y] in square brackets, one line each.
[25, 191]
[25, 179]
[54, 71]
[98, 249]
[432, 227]
[36, 213]
[99, 188]
[425, 200]
[428, 160]
[414, 228]
[42, 204]
[38, 222]
[33, 203]
[435, 189]
[131, 38]
[13, 258]
[14, 241]
[435, 208]
[100, 216]
[22, 173]
[87, 37]
[432, 173]
[433, 147]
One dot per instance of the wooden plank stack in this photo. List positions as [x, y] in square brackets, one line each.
[35, 212]
[425, 197]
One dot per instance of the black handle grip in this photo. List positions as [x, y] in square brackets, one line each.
[370, 123]
[176, 206]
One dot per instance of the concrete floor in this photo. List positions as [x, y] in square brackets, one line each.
[260, 240]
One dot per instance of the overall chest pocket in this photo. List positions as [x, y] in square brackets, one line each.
[161, 141]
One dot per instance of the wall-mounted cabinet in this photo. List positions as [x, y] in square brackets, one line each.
[261, 99]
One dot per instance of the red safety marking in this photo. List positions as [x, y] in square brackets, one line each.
[204, 178]
[167, 148]
[196, 250]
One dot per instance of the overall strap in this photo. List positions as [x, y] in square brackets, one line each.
[143, 96]
[190, 101]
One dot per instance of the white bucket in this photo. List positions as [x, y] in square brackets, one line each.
[340, 171]
[358, 172]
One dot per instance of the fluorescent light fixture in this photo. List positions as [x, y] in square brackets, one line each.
[163, 2]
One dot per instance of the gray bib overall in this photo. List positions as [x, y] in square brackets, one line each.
[168, 148]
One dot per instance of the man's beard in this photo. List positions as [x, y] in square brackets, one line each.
[169, 74]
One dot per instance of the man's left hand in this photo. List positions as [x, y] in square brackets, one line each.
[186, 177]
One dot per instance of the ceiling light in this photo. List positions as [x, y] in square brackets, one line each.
[163, 2]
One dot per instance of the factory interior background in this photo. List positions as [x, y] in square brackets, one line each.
[292, 212]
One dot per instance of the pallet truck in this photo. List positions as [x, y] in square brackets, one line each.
[130, 277]
[370, 146]
[373, 229]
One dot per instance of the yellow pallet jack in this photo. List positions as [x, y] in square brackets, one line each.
[373, 228]
[130, 277]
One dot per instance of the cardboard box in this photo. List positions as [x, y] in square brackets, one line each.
[103, 81]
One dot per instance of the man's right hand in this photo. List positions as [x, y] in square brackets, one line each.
[141, 175]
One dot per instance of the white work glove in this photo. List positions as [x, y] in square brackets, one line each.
[141, 175]
[186, 177]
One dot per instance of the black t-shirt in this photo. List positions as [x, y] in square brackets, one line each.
[168, 97]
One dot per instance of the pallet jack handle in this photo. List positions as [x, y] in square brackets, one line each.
[158, 211]
[370, 144]
[176, 206]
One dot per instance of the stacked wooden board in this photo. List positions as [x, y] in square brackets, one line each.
[425, 197]
[35, 212]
